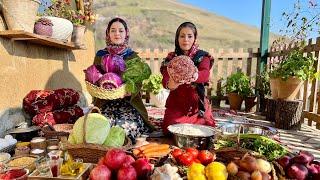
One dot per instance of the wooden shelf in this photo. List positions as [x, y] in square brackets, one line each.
[19, 35]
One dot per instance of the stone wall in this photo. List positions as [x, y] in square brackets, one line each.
[25, 67]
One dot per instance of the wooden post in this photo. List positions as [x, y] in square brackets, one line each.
[264, 33]
[288, 114]
[271, 110]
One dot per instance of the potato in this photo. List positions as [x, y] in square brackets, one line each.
[242, 175]
[232, 168]
[265, 176]
[256, 175]
[249, 164]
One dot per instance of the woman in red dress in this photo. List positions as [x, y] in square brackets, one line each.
[187, 102]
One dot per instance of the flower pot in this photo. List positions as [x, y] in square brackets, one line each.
[159, 100]
[42, 29]
[215, 102]
[21, 14]
[249, 103]
[263, 105]
[235, 101]
[78, 34]
[274, 85]
[289, 89]
[61, 29]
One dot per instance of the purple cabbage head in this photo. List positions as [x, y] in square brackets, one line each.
[110, 81]
[92, 74]
[113, 63]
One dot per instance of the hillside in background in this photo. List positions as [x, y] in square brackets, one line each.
[153, 24]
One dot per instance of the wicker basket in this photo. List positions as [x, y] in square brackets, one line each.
[109, 94]
[226, 155]
[88, 152]
[20, 15]
[56, 131]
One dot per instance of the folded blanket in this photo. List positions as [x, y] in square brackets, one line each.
[65, 115]
[40, 101]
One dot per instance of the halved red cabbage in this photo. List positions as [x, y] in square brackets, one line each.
[92, 74]
[113, 63]
[110, 81]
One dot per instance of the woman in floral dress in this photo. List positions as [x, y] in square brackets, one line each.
[128, 112]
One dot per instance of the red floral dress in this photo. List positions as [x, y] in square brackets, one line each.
[182, 105]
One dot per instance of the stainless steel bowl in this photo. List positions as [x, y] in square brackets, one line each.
[185, 135]
[232, 128]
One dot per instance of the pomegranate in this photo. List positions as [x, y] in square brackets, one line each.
[101, 161]
[129, 160]
[142, 167]
[115, 158]
[101, 172]
[127, 173]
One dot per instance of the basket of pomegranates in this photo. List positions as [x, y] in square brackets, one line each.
[182, 69]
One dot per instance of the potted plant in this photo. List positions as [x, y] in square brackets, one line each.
[43, 26]
[77, 18]
[153, 85]
[249, 98]
[236, 87]
[263, 88]
[290, 75]
[215, 101]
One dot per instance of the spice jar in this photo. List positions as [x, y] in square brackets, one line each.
[37, 152]
[38, 143]
[52, 142]
[52, 148]
[21, 151]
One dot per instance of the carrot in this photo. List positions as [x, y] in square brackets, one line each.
[136, 152]
[142, 148]
[157, 148]
[157, 153]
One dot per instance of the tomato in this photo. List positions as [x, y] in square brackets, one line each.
[186, 159]
[206, 157]
[193, 151]
[176, 153]
[197, 161]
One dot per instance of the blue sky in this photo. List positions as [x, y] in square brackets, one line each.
[234, 9]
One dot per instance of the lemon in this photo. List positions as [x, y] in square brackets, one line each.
[216, 171]
[218, 176]
[196, 168]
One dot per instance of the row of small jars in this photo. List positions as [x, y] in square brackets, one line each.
[38, 146]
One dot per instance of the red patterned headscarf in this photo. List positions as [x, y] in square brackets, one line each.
[194, 48]
[117, 48]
